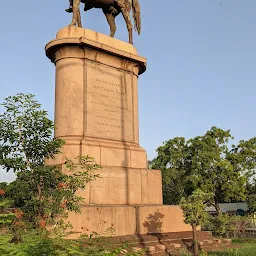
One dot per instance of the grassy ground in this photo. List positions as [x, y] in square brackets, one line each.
[246, 247]
[37, 245]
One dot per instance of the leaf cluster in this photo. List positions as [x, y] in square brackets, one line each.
[37, 245]
[40, 195]
[208, 162]
[44, 193]
[25, 134]
[194, 207]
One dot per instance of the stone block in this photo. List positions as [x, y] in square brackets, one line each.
[208, 241]
[151, 183]
[115, 157]
[120, 220]
[219, 241]
[150, 249]
[176, 246]
[136, 249]
[76, 32]
[134, 186]
[91, 150]
[117, 185]
[160, 247]
[160, 219]
[104, 220]
[138, 159]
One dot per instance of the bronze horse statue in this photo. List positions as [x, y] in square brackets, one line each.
[111, 8]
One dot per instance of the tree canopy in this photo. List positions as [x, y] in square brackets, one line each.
[208, 162]
[25, 134]
[44, 194]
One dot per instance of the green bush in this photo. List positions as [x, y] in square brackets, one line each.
[37, 245]
[227, 226]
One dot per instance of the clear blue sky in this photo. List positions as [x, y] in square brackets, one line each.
[201, 62]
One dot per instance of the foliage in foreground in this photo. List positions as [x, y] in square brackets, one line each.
[36, 245]
[43, 193]
[245, 247]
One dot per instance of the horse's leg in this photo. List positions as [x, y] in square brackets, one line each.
[74, 19]
[126, 14]
[111, 21]
[79, 22]
[76, 13]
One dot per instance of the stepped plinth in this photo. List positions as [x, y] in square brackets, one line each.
[96, 113]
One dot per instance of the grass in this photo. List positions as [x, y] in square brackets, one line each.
[246, 247]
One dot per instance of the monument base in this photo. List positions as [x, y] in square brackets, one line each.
[105, 152]
[122, 186]
[96, 114]
[121, 220]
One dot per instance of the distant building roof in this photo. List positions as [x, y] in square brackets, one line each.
[229, 207]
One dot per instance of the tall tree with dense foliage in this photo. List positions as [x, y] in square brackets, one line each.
[25, 134]
[171, 161]
[44, 193]
[206, 162]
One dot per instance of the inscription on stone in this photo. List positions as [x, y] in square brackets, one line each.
[109, 104]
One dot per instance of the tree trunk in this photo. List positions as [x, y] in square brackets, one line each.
[195, 242]
[217, 206]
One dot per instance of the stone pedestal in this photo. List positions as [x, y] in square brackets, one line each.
[96, 113]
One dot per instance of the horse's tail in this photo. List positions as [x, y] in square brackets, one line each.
[136, 15]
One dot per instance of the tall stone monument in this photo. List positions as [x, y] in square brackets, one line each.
[96, 113]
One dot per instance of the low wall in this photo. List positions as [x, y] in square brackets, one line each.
[120, 220]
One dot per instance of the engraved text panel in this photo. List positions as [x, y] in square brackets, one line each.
[109, 103]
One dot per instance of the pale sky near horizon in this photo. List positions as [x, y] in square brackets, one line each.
[201, 63]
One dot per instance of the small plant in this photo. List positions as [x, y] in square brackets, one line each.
[194, 214]
[6, 215]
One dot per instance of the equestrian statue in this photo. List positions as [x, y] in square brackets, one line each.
[111, 8]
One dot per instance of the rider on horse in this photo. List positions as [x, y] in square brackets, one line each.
[70, 8]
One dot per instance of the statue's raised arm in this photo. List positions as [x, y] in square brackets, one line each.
[111, 8]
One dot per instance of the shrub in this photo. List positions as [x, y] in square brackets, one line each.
[227, 226]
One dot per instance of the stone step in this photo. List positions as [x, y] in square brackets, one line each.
[208, 241]
[160, 247]
[150, 249]
[136, 249]
[227, 241]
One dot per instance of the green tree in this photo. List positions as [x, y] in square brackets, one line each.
[206, 162]
[44, 193]
[194, 213]
[3, 186]
[171, 160]
[25, 134]
[251, 196]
